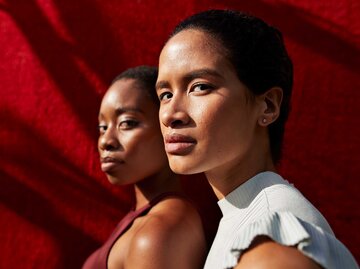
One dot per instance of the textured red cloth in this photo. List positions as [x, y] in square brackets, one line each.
[56, 60]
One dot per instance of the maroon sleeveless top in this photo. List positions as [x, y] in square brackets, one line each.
[98, 260]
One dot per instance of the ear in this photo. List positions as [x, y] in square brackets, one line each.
[270, 109]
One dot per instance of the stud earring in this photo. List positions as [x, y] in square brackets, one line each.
[264, 120]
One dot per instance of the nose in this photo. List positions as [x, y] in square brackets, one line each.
[108, 140]
[174, 114]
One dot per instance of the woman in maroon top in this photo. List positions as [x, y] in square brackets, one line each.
[164, 230]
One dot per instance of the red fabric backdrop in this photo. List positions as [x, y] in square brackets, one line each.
[56, 60]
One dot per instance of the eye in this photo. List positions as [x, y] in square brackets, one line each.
[201, 87]
[102, 128]
[165, 96]
[128, 124]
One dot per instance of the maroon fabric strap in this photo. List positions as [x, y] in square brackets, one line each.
[98, 260]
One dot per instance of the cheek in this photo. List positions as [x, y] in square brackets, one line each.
[162, 116]
[226, 127]
[99, 144]
[211, 117]
[147, 146]
[150, 158]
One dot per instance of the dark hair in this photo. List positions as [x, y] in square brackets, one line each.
[145, 76]
[257, 52]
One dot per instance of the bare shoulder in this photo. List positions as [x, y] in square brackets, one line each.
[265, 253]
[175, 207]
[169, 236]
[173, 217]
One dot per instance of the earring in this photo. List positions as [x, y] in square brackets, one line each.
[264, 120]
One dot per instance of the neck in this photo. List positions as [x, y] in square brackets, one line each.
[150, 187]
[228, 177]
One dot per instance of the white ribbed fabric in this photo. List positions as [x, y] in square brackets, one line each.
[268, 205]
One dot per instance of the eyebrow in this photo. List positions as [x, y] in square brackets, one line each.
[200, 73]
[122, 110]
[161, 84]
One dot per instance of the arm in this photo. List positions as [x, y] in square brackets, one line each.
[266, 254]
[168, 239]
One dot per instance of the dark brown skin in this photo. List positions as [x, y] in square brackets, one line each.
[203, 98]
[132, 152]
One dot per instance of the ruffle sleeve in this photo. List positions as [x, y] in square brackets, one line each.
[286, 229]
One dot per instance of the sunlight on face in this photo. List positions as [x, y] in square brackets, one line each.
[205, 117]
[130, 143]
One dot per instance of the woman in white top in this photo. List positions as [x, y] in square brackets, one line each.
[224, 83]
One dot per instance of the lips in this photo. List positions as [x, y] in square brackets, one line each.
[177, 144]
[109, 163]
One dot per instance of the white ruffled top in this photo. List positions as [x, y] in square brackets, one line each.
[268, 205]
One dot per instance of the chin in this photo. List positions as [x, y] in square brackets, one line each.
[120, 180]
[116, 179]
[183, 167]
[113, 180]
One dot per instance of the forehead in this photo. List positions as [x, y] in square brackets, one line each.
[191, 49]
[126, 92]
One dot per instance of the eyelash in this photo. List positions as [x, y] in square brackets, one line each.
[208, 87]
[129, 124]
[163, 94]
[102, 128]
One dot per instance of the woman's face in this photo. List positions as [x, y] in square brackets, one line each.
[130, 143]
[207, 116]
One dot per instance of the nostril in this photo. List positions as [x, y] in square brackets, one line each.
[108, 143]
[176, 123]
[174, 116]
[109, 147]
